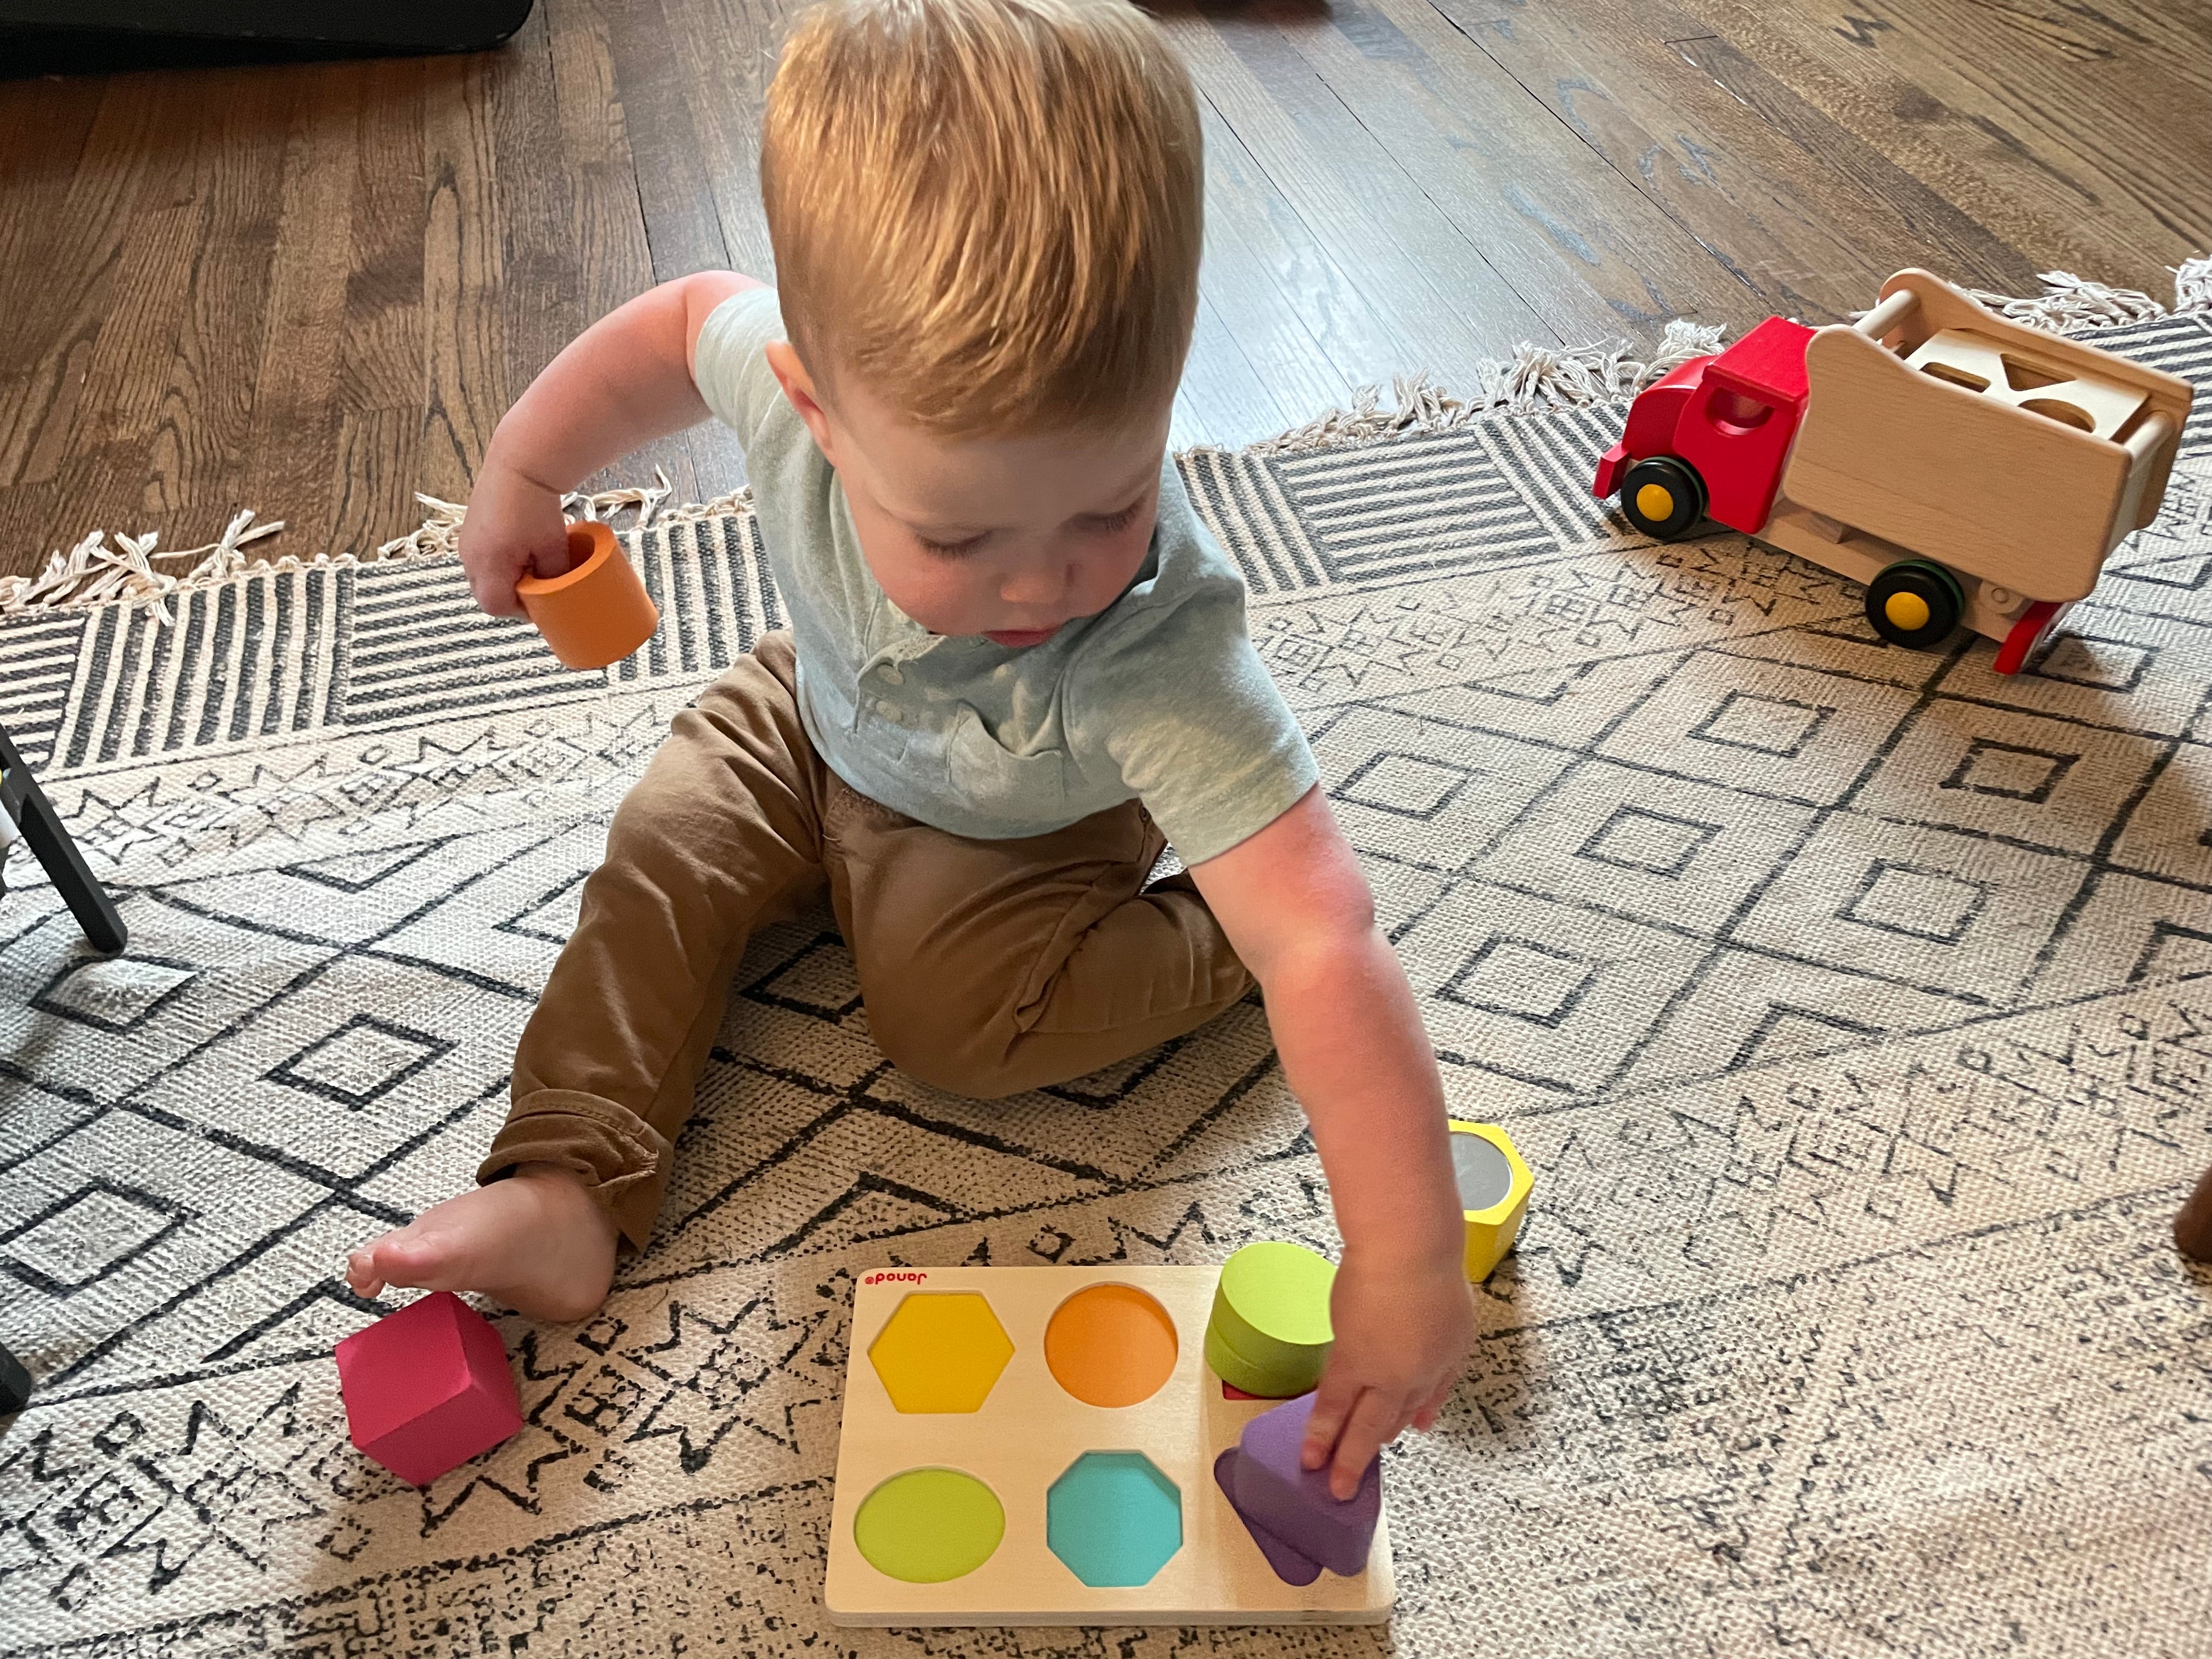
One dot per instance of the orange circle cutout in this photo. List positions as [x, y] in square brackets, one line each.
[1110, 1344]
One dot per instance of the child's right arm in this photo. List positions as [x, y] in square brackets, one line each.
[622, 382]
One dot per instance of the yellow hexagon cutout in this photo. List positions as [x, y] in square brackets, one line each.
[1493, 1193]
[940, 1352]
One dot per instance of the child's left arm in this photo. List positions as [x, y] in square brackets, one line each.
[1293, 902]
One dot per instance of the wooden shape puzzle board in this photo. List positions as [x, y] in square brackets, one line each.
[1026, 1434]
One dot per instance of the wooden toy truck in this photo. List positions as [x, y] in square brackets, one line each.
[1965, 467]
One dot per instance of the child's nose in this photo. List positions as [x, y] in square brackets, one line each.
[1044, 583]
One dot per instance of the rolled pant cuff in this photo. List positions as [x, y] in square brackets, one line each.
[623, 1160]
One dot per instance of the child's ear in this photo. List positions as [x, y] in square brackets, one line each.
[798, 390]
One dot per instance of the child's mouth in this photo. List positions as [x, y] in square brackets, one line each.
[1017, 639]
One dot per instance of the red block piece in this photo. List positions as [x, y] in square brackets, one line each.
[428, 1388]
[1230, 1391]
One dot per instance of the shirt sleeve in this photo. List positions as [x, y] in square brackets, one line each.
[729, 362]
[1187, 713]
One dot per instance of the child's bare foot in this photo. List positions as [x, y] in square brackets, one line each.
[535, 1240]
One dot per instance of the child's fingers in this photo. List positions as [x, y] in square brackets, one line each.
[496, 555]
[1424, 1416]
[495, 593]
[1332, 1403]
[1374, 1423]
[551, 560]
[494, 585]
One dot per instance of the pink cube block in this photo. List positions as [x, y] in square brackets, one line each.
[428, 1388]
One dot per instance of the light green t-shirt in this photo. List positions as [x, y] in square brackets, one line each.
[1159, 696]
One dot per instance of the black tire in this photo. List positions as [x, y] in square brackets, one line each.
[1915, 603]
[1663, 481]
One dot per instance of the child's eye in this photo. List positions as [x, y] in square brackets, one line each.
[948, 549]
[1106, 523]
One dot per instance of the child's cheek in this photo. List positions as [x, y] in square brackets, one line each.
[1110, 578]
[932, 597]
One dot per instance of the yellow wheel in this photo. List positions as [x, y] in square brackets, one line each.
[1915, 603]
[1663, 496]
[1907, 612]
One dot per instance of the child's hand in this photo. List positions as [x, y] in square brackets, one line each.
[514, 528]
[623, 382]
[1402, 1337]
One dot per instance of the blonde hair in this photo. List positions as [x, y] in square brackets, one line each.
[990, 211]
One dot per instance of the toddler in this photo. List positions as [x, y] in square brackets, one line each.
[1016, 669]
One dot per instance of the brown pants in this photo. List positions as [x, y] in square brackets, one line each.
[987, 967]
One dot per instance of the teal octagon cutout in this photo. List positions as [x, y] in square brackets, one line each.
[1113, 1519]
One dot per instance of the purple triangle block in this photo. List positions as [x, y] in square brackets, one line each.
[1275, 1492]
[1290, 1566]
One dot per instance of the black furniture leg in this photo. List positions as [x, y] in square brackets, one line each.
[14, 1384]
[24, 801]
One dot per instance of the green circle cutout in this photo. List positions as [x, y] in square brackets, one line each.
[929, 1525]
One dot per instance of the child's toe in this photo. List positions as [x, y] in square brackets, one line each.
[360, 1272]
[413, 1263]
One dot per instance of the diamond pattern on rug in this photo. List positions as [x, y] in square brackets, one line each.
[1850, 1004]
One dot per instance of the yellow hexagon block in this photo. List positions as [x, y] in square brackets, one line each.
[1493, 1193]
[940, 1352]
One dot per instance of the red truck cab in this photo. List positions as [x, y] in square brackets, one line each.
[1732, 417]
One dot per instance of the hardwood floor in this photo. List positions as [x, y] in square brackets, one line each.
[311, 289]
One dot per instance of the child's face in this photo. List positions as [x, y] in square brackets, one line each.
[1008, 537]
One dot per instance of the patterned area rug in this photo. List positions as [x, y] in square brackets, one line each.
[1848, 1002]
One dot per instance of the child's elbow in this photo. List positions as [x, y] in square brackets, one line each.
[1346, 915]
[1317, 936]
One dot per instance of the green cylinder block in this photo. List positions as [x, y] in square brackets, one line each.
[1269, 1333]
[1275, 1382]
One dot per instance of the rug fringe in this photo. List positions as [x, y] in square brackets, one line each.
[2068, 302]
[1534, 380]
[439, 534]
[1537, 380]
[2192, 284]
[93, 573]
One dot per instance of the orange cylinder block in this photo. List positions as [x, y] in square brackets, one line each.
[595, 612]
